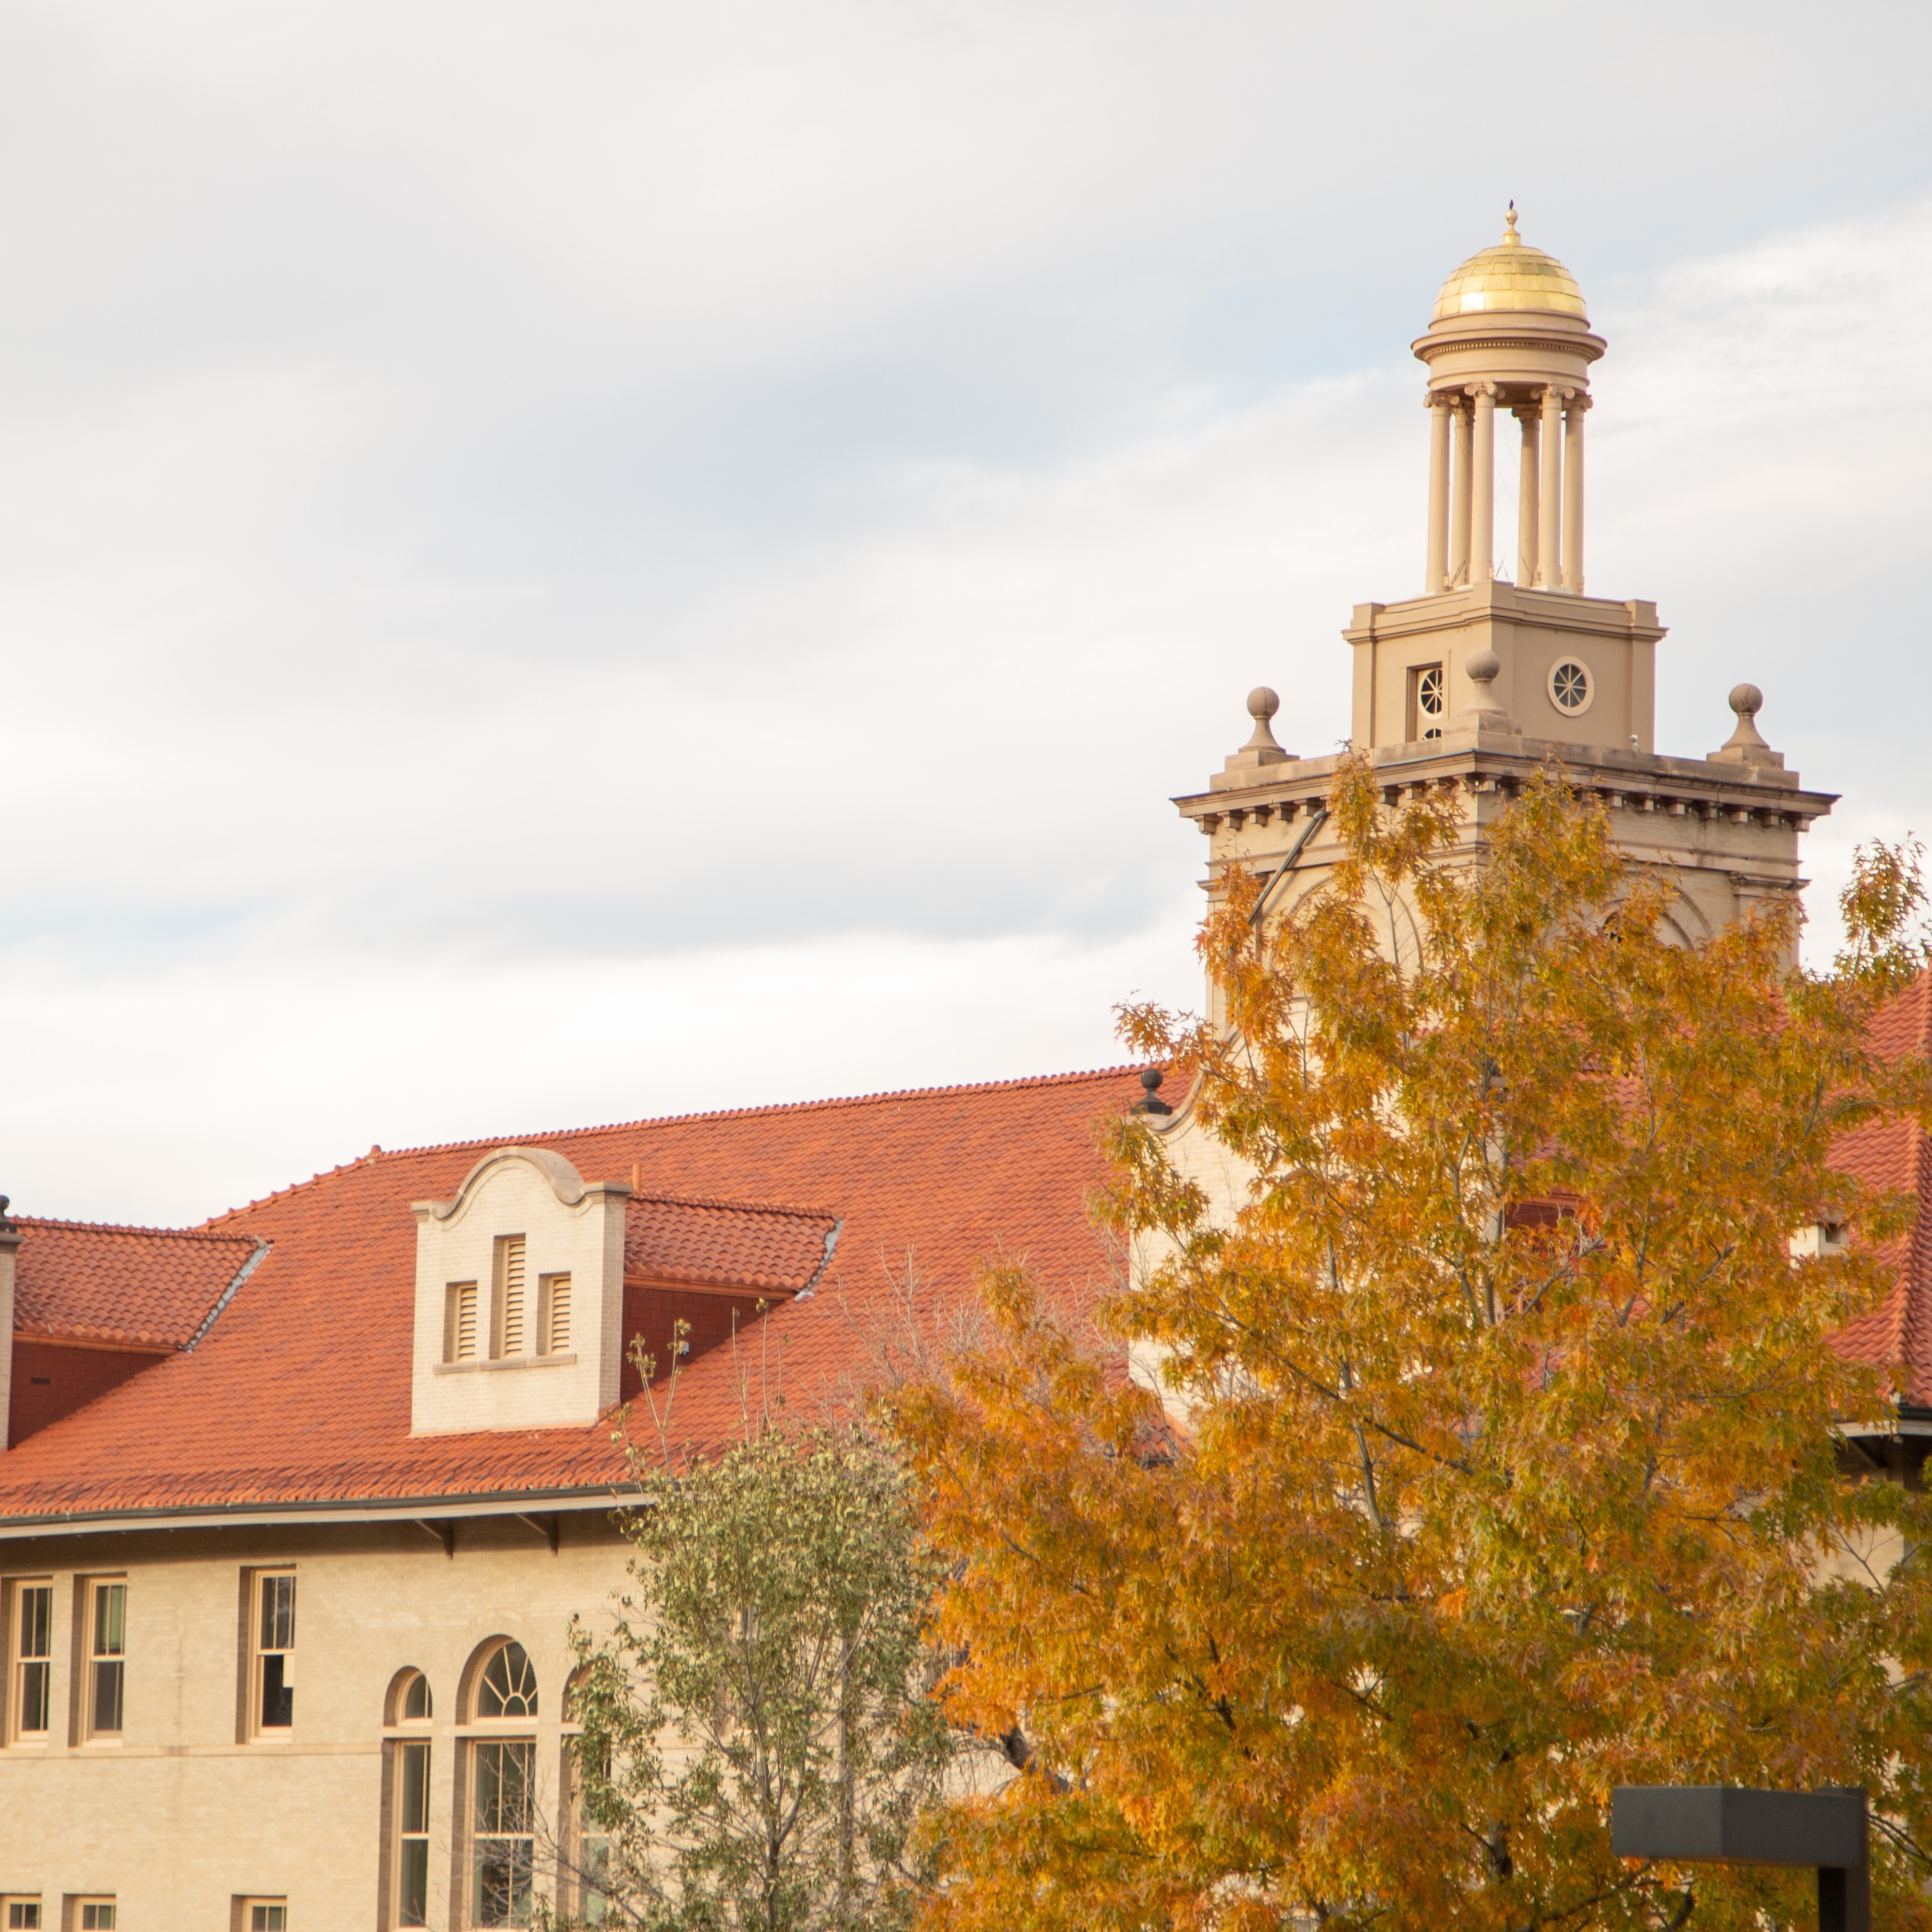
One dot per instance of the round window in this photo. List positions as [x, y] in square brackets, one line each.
[1570, 689]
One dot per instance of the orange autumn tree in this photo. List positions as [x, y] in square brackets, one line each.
[1496, 1461]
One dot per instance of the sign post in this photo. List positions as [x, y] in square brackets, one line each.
[1715, 1824]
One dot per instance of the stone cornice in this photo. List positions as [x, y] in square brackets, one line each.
[1639, 781]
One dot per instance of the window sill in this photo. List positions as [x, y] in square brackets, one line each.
[562, 1361]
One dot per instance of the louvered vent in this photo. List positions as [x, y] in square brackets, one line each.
[459, 1326]
[556, 1324]
[510, 1272]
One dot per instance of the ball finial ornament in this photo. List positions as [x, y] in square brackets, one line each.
[1747, 700]
[1263, 703]
[1484, 668]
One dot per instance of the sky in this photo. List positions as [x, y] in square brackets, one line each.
[572, 562]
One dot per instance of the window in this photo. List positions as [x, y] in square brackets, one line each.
[553, 1314]
[509, 1339]
[31, 1626]
[1428, 702]
[22, 1915]
[459, 1322]
[264, 1914]
[409, 1708]
[412, 1832]
[93, 1915]
[501, 1784]
[585, 1871]
[508, 1688]
[107, 1657]
[274, 1688]
[1569, 688]
[504, 1845]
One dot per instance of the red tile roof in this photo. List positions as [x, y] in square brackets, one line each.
[299, 1392]
[142, 1288]
[726, 1243]
[1895, 1157]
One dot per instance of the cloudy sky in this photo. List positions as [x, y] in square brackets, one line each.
[563, 562]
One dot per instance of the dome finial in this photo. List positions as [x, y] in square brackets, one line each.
[1511, 239]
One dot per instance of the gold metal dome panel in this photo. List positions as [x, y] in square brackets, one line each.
[1511, 275]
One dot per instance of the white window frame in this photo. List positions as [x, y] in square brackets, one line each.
[259, 1581]
[78, 1908]
[1569, 663]
[93, 1656]
[402, 1735]
[13, 1901]
[1425, 724]
[245, 1910]
[481, 1735]
[18, 1662]
[573, 1890]
[524, 1743]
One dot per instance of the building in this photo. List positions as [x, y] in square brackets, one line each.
[295, 1506]
[1468, 688]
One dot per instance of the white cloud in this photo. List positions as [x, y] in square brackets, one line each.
[583, 525]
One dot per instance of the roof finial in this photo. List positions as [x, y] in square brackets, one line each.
[1511, 239]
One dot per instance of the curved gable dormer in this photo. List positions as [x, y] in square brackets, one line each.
[519, 1293]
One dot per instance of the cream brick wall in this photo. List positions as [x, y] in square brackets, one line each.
[183, 1815]
[568, 1229]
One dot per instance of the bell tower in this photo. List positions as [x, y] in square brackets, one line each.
[1503, 664]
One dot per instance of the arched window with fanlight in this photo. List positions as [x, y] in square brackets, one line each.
[501, 1747]
[406, 1720]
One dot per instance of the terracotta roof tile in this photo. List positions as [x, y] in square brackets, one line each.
[1894, 1157]
[142, 1287]
[300, 1392]
[733, 1244]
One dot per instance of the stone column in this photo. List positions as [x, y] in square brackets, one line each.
[1483, 486]
[1573, 494]
[1435, 570]
[1550, 494]
[1459, 530]
[1525, 503]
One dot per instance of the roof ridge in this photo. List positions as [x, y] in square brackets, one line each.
[738, 1207]
[375, 1154]
[201, 1232]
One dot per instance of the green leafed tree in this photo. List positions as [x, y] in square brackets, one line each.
[1497, 1458]
[758, 1740]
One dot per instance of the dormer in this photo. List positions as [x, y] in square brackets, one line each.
[519, 1297]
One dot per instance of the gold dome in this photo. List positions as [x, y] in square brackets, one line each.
[1511, 275]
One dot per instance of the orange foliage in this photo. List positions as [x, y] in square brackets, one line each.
[1448, 1517]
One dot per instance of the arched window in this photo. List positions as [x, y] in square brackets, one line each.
[409, 1701]
[407, 1715]
[507, 1687]
[501, 1781]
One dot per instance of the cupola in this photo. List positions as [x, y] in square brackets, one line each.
[1509, 332]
